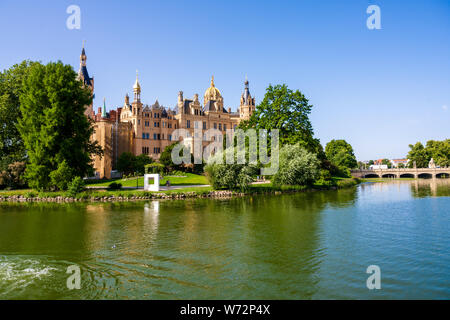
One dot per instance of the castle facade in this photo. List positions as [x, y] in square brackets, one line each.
[144, 129]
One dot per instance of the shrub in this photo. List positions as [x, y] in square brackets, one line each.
[30, 194]
[61, 177]
[115, 186]
[75, 186]
[297, 166]
[229, 176]
[325, 178]
[154, 168]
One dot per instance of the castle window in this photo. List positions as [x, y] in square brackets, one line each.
[154, 136]
[220, 126]
[159, 136]
[143, 136]
[170, 137]
[224, 127]
[204, 125]
[188, 123]
[147, 136]
[215, 125]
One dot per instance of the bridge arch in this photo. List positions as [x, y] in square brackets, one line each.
[425, 176]
[407, 175]
[371, 175]
[389, 175]
[442, 175]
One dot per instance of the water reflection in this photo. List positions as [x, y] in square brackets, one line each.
[430, 188]
[305, 245]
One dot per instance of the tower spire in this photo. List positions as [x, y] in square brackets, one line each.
[104, 108]
[212, 81]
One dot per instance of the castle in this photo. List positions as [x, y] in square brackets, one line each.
[143, 129]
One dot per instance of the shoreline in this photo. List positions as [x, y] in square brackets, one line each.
[136, 195]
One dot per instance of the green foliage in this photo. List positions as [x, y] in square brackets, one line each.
[154, 168]
[297, 166]
[53, 126]
[126, 163]
[12, 148]
[13, 176]
[166, 158]
[340, 153]
[325, 178]
[418, 155]
[287, 111]
[440, 152]
[229, 176]
[75, 187]
[130, 164]
[140, 162]
[115, 186]
[386, 162]
[62, 176]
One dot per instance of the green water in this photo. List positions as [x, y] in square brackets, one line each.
[314, 245]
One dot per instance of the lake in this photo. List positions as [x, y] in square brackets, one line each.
[311, 245]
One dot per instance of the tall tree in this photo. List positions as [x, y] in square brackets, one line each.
[53, 125]
[12, 148]
[341, 154]
[439, 151]
[418, 155]
[287, 111]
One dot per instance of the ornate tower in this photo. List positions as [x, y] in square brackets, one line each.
[213, 96]
[247, 106]
[83, 76]
[137, 89]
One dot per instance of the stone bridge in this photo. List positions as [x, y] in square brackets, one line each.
[424, 173]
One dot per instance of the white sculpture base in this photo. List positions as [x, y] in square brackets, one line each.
[154, 186]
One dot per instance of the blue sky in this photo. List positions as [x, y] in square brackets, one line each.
[378, 89]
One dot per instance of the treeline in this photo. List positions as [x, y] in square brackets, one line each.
[421, 155]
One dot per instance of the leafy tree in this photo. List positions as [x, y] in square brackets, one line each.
[126, 163]
[419, 155]
[12, 148]
[297, 166]
[387, 162]
[340, 153]
[14, 176]
[53, 126]
[439, 151]
[287, 111]
[166, 159]
[140, 161]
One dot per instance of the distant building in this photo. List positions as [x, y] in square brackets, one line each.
[396, 162]
[378, 167]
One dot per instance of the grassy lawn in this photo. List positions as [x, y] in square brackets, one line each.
[187, 179]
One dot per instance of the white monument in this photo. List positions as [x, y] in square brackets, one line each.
[432, 164]
[155, 185]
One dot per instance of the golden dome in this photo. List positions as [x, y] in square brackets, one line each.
[212, 93]
[137, 86]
